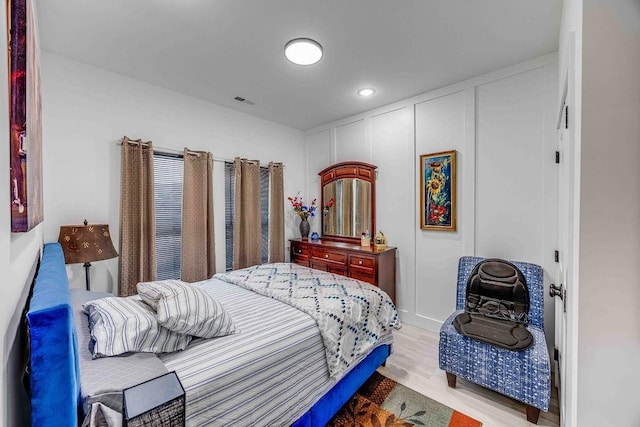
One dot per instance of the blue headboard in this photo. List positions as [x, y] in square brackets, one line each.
[54, 373]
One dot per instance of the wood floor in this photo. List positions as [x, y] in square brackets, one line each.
[414, 364]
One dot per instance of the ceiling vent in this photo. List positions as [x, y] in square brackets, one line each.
[246, 101]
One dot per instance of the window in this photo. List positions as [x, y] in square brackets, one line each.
[229, 185]
[168, 176]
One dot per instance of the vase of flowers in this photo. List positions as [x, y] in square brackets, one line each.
[305, 227]
[304, 211]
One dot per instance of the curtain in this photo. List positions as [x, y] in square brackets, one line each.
[346, 208]
[137, 216]
[276, 212]
[363, 208]
[247, 227]
[198, 243]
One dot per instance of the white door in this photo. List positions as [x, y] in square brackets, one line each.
[563, 156]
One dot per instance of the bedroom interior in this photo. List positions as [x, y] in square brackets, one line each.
[108, 71]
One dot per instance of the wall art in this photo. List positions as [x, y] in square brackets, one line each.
[25, 137]
[438, 191]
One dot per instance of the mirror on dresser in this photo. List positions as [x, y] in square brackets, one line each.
[352, 186]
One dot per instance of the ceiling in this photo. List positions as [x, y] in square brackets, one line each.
[216, 50]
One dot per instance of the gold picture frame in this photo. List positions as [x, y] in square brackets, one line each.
[437, 185]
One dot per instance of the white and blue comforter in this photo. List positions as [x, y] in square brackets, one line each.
[351, 315]
[270, 372]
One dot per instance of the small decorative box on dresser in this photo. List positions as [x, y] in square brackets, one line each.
[370, 265]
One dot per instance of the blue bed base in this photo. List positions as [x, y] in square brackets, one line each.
[53, 347]
[329, 404]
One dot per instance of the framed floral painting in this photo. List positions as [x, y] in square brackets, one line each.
[438, 191]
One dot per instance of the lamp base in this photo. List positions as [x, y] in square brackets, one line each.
[87, 266]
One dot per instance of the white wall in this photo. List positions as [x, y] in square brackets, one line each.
[440, 125]
[609, 246]
[391, 150]
[503, 128]
[18, 254]
[86, 110]
[318, 156]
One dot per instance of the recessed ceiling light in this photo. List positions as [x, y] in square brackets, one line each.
[366, 91]
[303, 51]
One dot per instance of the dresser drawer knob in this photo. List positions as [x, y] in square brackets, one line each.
[299, 251]
[326, 255]
[360, 262]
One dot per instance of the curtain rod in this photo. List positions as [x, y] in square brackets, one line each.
[180, 152]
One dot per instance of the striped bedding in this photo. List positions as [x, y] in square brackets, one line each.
[351, 315]
[270, 372]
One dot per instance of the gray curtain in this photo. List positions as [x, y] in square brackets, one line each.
[198, 242]
[276, 212]
[247, 227]
[137, 216]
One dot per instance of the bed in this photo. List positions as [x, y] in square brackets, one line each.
[275, 363]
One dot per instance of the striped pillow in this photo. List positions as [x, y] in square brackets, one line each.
[123, 325]
[187, 309]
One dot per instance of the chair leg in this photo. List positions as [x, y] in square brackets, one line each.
[532, 414]
[451, 380]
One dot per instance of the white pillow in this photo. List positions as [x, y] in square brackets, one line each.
[186, 309]
[122, 325]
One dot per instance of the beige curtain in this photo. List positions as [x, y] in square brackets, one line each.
[363, 209]
[276, 212]
[137, 216]
[198, 261]
[247, 228]
[346, 208]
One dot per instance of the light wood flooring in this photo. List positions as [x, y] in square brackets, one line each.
[414, 363]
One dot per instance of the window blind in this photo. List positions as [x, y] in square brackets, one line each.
[168, 177]
[229, 199]
[264, 212]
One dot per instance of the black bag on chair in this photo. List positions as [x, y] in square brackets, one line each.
[497, 306]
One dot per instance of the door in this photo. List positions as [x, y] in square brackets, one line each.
[565, 157]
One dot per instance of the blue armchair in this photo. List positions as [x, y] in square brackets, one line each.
[522, 375]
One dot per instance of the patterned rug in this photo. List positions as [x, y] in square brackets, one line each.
[383, 402]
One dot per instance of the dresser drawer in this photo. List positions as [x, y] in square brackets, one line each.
[365, 275]
[300, 250]
[330, 256]
[300, 254]
[300, 259]
[362, 261]
[331, 267]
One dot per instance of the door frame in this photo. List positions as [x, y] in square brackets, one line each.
[569, 97]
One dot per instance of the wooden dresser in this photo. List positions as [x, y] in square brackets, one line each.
[377, 267]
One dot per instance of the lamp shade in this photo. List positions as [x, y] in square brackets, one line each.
[86, 243]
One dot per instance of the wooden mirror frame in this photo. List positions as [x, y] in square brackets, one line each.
[360, 170]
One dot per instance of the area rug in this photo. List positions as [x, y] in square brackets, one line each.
[383, 402]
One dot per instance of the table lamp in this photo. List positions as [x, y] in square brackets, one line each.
[86, 243]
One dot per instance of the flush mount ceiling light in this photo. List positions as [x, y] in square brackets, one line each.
[303, 51]
[366, 91]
